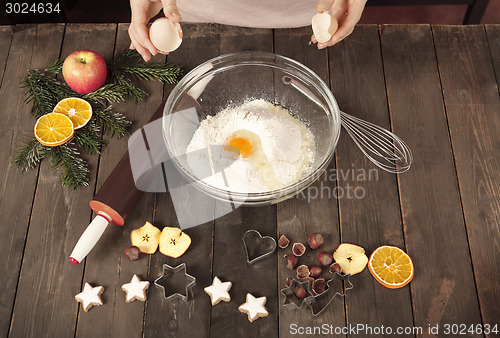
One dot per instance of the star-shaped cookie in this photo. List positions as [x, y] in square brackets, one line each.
[218, 291]
[136, 289]
[90, 296]
[254, 307]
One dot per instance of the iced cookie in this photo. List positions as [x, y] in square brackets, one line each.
[136, 289]
[90, 296]
[218, 291]
[254, 307]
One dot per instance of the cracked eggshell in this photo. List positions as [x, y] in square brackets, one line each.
[165, 35]
[324, 25]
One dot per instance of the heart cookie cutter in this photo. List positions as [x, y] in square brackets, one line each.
[257, 247]
[175, 278]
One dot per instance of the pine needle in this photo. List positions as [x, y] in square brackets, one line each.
[29, 156]
[112, 122]
[55, 67]
[75, 169]
[88, 142]
[110, 92]
[44, 92]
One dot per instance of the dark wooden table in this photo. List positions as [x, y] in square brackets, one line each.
[436, 87]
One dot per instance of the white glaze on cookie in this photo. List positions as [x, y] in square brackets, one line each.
[136, 289]
[90, 296]
[218, 291]
[254, 307]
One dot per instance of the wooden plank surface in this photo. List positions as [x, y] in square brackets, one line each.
[31, 47]
[370, 216]
[6, 33]
[178, 318]
[472, 103]
[312, 211]
[229, 262]
[437, 88]
[443, 289]
[58, 219]
[118, 318]
[493, 35]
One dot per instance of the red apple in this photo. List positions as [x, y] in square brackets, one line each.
[84, 71]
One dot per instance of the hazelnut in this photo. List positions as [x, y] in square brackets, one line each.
[315, 271]
[298, 249]
[283, 242]
[291, 261]
[335, 268]
[300, 292]
[302, 271]
[319, 286]
[315, 240]
[132, 253]
[325, 258]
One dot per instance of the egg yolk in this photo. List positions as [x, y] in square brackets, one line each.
[242, 144]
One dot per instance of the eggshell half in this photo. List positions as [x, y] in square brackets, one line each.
[165, 35]
[324, 25]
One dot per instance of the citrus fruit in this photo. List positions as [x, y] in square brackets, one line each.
[391, 266]
[78, 110]
[53, 129]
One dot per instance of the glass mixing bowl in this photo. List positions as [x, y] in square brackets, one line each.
[233, 79]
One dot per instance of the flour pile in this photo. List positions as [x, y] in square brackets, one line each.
[276, 149]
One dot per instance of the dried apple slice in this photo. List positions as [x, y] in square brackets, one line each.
[351, 258]
[146, 238]
[174, 242]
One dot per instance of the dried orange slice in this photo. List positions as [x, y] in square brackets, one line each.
[78, 110]
[391, 266]
[53, 129]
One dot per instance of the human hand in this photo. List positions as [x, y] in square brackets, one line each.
[142, 12]
[347, 13]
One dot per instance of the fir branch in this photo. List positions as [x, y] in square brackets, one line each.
[75, 168]
[155, 71]
[44, 92]
[110, 92]
[131, 90]
[128, 54]
[86, 139]
[112, 122]
[130, 63]
[29, 156]
[55, 67]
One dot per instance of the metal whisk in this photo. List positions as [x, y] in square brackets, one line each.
[385, 149]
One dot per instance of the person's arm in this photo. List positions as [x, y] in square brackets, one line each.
[347, 13]
[142, 12]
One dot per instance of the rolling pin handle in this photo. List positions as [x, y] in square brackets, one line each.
[89, 238]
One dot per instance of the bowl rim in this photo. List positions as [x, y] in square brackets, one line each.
[204, 68]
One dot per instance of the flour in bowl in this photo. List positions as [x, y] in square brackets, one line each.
[273, 149]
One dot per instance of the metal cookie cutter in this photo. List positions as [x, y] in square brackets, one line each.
[290, 296]
[257, 246]
[175, 280]
[314, 301]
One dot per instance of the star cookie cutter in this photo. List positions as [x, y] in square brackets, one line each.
[289, 293]
[311, 301]
[257, 247]
[175, 278]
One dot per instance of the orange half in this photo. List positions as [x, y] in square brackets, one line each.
[78, 110]
[391, 266]
[53, 129]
